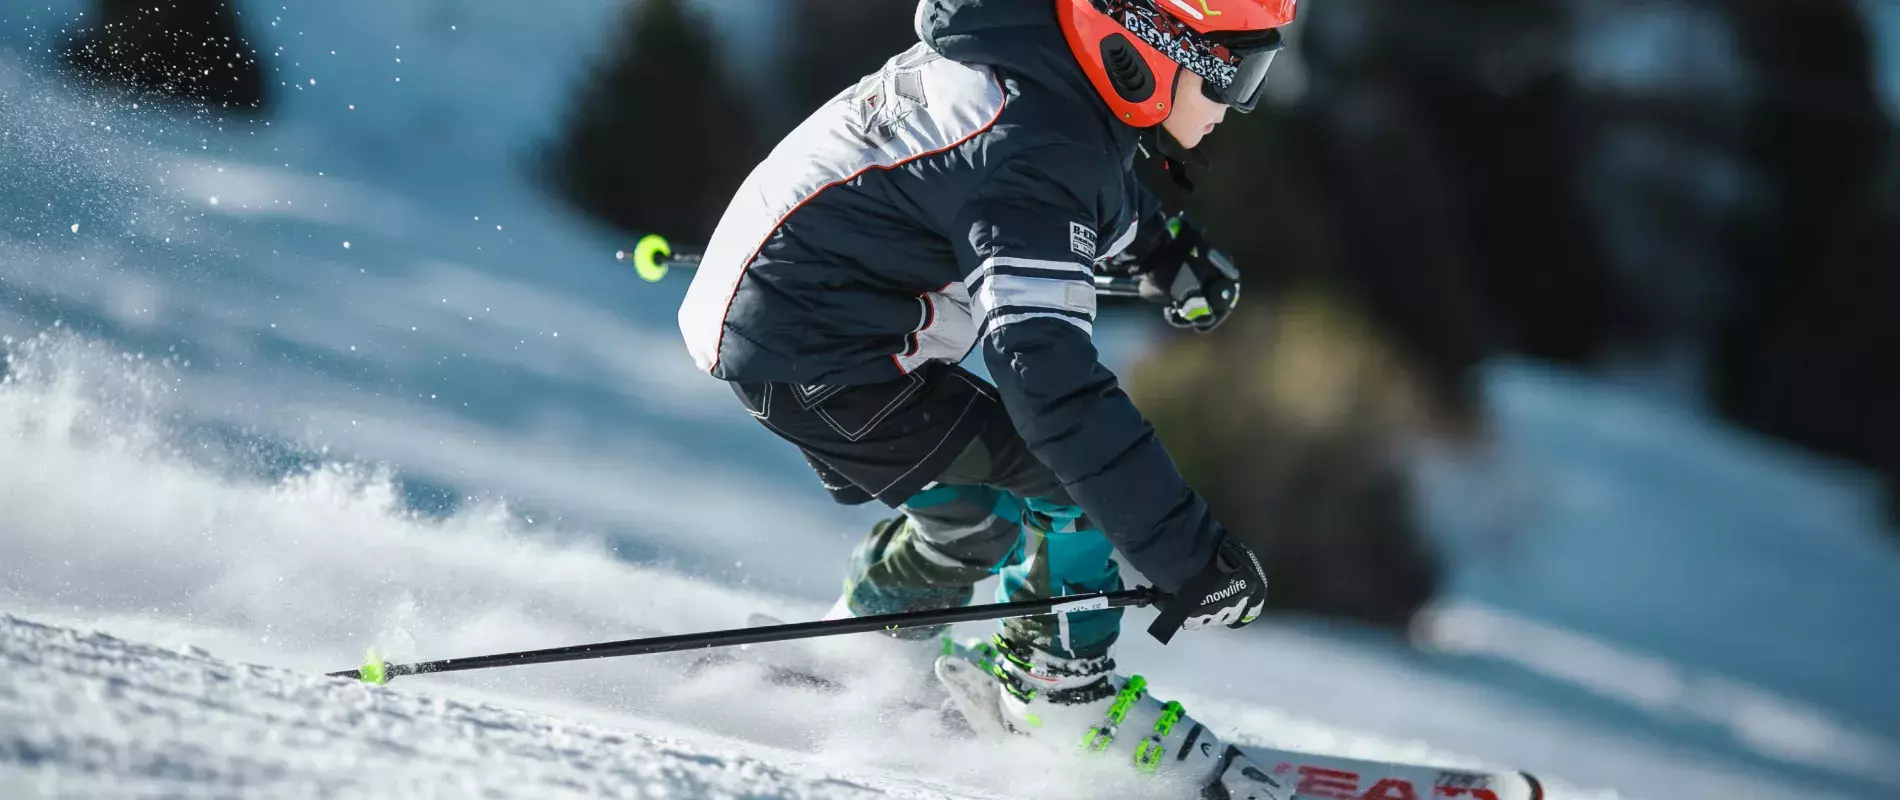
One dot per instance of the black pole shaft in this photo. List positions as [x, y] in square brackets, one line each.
[1139, 596]
[1105, 285]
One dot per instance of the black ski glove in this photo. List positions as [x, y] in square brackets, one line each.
[1198, 284]
[1231, 590]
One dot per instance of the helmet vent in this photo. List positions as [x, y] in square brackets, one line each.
[1126, 71]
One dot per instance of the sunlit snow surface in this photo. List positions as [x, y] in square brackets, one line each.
[469, 430]
[115, 528]
[91, 715]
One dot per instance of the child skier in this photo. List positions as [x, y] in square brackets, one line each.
[962, 197]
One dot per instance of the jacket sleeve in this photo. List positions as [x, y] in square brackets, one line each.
[1026, 245]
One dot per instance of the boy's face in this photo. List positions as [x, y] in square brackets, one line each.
[1194, 116]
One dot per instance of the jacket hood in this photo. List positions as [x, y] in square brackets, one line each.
[1022, 38]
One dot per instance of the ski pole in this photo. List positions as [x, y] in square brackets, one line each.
[377, 671]
[653, 256]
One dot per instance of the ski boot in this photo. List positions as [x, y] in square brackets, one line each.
[1081, 705]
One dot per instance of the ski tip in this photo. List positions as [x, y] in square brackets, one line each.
[648, 255]
[1537, 787]
[374, 670]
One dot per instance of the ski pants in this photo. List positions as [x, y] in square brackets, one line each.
[991, 508]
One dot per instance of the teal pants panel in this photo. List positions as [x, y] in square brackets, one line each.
[951, 537]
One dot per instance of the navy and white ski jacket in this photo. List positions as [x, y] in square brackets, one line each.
[957, 198]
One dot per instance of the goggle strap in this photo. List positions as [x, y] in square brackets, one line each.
[1175, 40]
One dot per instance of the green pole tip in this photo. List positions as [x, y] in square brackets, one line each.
[374, 670]
[647, 255]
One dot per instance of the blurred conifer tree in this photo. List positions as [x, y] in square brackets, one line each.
[658, 137]
[836, 42]
[185, 49]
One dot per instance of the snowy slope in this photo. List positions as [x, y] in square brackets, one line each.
[118, 522]
[469, 431]
[112, 526]
[87, 715]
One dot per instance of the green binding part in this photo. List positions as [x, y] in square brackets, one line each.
[647, 255]
[1126, 699]
[1148, 755]
[1149, 752]
[1170, 714]
[374, 670]
[1099, 737]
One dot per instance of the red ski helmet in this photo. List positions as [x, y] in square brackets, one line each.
[1133, 50]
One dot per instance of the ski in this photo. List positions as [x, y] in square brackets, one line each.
[1161, 739]
[1290, 775]
[774, 674]
[783, 668]
[1188, 749]
[799, 676]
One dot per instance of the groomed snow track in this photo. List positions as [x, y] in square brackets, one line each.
[90, 715]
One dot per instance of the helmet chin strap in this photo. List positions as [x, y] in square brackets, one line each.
[1175, 158]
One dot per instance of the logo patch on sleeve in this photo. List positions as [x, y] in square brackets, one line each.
[1082, 240]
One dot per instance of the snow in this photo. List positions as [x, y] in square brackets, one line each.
[114, 527]
[88, 715]
[228, 441]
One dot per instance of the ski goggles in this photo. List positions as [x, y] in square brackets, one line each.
[1232, 65]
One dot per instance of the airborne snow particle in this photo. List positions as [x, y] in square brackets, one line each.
[214, 199]
[75, 227]
[313, 81]
[346, 245]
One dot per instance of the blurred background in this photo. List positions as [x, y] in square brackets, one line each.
[1568, 368]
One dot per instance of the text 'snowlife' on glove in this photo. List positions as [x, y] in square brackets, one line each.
[1231, 591]
[1198, 284]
